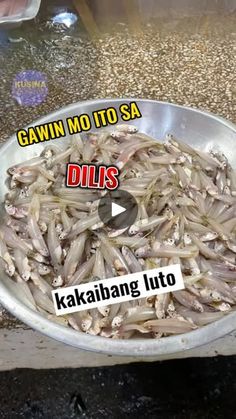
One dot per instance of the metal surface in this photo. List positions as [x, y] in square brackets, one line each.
[27, 13]
[200, 129]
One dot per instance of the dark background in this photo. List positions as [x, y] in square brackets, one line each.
[191, 388]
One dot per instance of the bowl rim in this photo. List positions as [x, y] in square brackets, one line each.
[29, 13]
[122, 347]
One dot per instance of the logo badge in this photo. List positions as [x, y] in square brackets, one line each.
[29, 88]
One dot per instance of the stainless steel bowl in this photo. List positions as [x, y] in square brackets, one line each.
[26, 13]
[198, 128]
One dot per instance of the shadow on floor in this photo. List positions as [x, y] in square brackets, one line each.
[191, 389]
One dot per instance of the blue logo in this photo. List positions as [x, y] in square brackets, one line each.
[29, 88]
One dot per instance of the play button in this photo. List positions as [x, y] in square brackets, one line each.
[118, 209]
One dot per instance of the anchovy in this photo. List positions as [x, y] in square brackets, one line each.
[52, 236]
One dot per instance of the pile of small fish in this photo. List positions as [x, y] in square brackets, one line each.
[51, 236]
